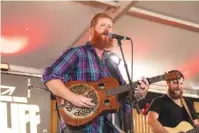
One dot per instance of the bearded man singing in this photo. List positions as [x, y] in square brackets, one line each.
[87, 63]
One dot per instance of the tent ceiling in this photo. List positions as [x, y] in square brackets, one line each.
[51, 27]
[179, 9]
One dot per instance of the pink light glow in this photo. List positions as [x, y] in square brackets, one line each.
[11, 45]
[190, 68]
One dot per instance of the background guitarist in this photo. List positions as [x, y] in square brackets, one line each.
[86, 63]
[168, 110]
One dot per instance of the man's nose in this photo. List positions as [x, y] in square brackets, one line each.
[180, 86]
[106, 28]
[106, 31]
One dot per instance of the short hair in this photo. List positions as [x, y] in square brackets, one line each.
[97, 16]
[178, 75]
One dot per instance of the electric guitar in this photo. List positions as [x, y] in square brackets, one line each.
[183, 127]
[103, 94]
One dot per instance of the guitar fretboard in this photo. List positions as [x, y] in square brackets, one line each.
[127, 87]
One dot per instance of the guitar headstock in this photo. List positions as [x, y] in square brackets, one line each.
[173, 75]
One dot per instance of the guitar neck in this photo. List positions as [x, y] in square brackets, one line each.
[127, 87]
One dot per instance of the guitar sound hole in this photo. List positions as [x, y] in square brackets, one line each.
[106, 102]
[101, 86]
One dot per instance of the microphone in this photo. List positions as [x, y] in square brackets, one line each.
[112, 35]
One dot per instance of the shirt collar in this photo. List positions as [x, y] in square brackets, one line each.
[92, 48]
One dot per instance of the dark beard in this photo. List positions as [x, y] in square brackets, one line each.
[173, 94]
[101, 42]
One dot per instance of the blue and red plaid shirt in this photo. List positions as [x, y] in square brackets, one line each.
[80, 63]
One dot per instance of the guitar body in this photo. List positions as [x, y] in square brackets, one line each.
[103, 94]
[182, 126]
[76, 116]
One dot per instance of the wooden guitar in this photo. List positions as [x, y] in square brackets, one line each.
[183, 127]
[103, 94]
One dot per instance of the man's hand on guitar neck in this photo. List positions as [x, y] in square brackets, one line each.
[143, 87]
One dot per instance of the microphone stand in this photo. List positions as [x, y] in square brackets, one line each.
[131, 98]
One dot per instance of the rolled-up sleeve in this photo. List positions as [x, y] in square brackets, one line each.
[61, 67]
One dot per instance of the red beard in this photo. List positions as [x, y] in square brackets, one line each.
[101, 41]
[175, 95]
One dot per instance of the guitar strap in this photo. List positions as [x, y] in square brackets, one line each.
[187, 110]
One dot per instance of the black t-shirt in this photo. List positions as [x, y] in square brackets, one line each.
[171, 114]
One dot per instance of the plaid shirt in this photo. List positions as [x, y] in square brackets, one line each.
[80, 63]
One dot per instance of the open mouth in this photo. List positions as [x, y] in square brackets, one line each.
[177, 92]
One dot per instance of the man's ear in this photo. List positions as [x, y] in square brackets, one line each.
[168, 82]
[91, 30]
